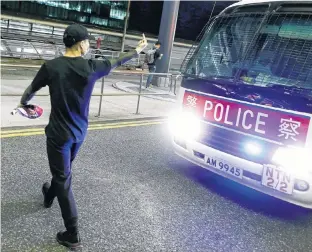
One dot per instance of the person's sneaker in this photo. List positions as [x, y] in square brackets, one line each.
[45, 189]
[68, 240]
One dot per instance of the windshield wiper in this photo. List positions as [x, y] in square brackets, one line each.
[274, 85]
[232, 80]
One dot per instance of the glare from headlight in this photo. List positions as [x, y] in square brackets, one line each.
[293, 159]
[184, 125]
[252, 148]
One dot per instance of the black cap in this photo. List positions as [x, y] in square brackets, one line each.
[75, 33]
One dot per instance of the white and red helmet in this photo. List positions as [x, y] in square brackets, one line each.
[30, 111]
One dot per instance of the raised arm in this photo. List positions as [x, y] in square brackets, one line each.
[103, 67]
[125, 57]
[39, 82]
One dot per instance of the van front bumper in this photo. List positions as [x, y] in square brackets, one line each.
[252, 173]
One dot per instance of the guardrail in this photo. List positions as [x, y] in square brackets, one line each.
[36, 50]
[95, 31]
[172, 85]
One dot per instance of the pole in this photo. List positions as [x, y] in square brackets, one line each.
[139, 96]
[125, 28]
[166, 33]
[101, 98]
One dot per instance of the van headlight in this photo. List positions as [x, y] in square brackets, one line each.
[184, 125]
[253, 148]
[293, 159]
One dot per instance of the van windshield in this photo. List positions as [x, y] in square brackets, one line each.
[275, 50]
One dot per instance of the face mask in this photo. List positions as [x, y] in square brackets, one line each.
[86, 51]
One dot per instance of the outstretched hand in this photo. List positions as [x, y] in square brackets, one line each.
[141, 45]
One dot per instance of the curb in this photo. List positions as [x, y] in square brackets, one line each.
[95, 121]
[115, 85]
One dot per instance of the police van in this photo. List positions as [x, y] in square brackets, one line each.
[245, 102]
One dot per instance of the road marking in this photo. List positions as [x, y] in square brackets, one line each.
[33, 132]
[23, 134]
[91, 125]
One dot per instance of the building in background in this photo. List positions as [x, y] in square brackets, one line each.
[108, 14]
[145, 16]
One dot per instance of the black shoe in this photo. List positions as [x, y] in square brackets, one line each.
[68, 240]
[45, 188]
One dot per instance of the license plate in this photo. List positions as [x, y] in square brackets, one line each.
[277, 179]
[225, 167]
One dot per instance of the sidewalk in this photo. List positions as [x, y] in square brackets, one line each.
[134, 87]
[113, 107]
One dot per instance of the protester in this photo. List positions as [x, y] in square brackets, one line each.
[71, 80]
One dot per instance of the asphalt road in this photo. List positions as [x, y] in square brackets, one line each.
[134, 194]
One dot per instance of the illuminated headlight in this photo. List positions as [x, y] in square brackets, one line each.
[184, 125]
[294, 159]
[253, 148]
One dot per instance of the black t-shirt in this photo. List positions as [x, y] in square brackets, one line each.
[71, 82]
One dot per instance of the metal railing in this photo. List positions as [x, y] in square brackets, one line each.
[173, 77]
[37, 50]
[172, 86]
[20, 23]
[28, 49]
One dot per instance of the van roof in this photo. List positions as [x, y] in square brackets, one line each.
[243, 2]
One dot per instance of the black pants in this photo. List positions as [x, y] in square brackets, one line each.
[61, 155]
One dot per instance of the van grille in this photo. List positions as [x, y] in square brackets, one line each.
[233, 143]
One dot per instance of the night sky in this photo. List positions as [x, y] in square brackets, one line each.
[193, 15]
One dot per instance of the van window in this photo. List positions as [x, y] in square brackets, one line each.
[254, 49]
